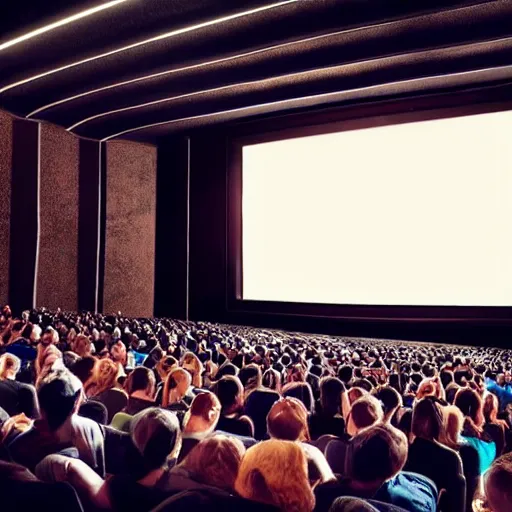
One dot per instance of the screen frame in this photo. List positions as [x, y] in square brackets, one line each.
[345, 118]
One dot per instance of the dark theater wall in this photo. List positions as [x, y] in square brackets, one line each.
[129, 252]
[57, 277]
[5, 201]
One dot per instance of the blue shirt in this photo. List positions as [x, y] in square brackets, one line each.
[410, 491]
[486, 451]
[504, 394]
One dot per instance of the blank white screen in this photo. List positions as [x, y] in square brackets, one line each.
[412, 214]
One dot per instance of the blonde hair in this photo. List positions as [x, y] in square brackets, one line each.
[20, 423]
[82, 345]
[165, 366]
[192, 363]
[453, 421]
[9, 363]
[104, 377]
[288, 419]
[215, 461]
[175, 378]
[276, 473]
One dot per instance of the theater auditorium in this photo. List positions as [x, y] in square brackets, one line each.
[256, 255]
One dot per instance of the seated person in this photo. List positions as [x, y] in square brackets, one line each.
[214, 462]
[288, 420]
[200, 421]
[141, 388]
[178, 393]
[498, 485]
[428, 457]
[364, 412]
[373, 470]
[328, 418]
[275, 473]
[156, 435]
[230, 392]
[60, 395]
[103, 387]
[15, 397]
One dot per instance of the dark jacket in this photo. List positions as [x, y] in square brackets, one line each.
[444, 467]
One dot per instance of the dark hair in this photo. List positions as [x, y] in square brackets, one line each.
[140, 379]
[331, 389]
[58, 395]
[383, 445]
[427, 419]
[389, 398]
[229, 391]
[345, 373]
[83, 368]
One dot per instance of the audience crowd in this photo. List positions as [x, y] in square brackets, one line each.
[103, 412]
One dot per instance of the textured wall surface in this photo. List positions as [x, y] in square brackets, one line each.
[57, 279]
[5, 201]
[130, 229]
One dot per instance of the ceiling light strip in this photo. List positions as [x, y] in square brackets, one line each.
[166, 35]
[217, 61]
[60, 23]
[192, 67]
[264, 80]
[501, 72]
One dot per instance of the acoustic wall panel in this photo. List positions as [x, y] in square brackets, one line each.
[57, 279]
[88, 224]
[24, 225]
[130, 229]
[5, 201]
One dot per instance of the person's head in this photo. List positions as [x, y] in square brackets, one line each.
[141, 381]
[272, 379]
[176, 386]
[226, 368]
[471, 406]
[82, 345]
[47, 356]
[365, 411]
[165, 365]
[156, 434]
[331, 389]
[276, 473]
[498, 484]
[491, 408]
[203, 415]
[375, 455]
[390, 400]
[288, 420]
[250, 377]
[355, 393]
[427, 420]
[50, 336]
[453, 421]
[84, 368]
[104, 376]
[345, 373]
[59, 395]
[9, 366]
[301, 391]
[192, 364]
[118, 353]
[215, 461]
[230, 392]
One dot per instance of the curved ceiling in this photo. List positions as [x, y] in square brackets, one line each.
[141, 69]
